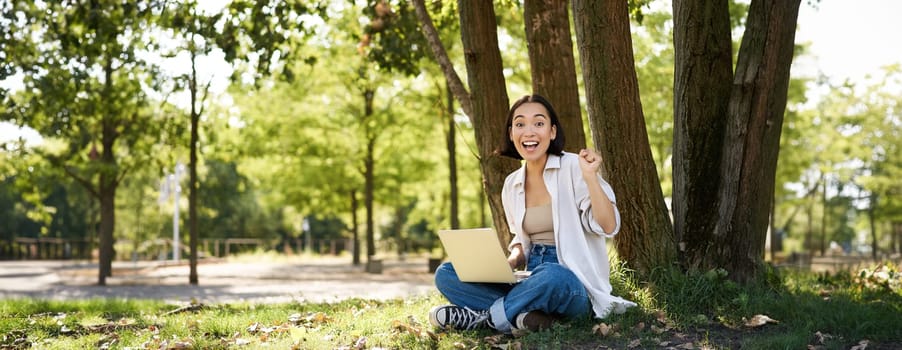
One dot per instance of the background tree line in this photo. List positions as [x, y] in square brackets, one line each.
[357, 115]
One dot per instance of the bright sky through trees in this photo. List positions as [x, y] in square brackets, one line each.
[848, 40]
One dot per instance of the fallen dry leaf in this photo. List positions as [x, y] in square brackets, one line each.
[661, 316]
[758, 321]
[493, 339]
[635, 343]
[602, 329]
[639, 327]
[658, 330]
[178, 345]
[360, 344]
[861, 345]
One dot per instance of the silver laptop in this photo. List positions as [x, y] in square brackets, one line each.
[477, 256]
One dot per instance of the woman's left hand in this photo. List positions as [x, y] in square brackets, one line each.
[589, 162]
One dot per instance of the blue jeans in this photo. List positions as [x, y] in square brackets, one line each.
[551, 288]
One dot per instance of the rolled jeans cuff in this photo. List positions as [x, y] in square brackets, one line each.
[499, 317]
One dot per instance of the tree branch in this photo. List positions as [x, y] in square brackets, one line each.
[84, 182]
[441, 56]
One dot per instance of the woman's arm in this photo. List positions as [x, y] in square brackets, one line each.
[602, 206]
[516, 257]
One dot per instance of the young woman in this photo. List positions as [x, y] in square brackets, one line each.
[560, 211]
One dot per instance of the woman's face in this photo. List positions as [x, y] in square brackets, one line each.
[531, 131]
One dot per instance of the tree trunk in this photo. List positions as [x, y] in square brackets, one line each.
[808, 242]
[875, 245]
[107, 226]
[645, 240]
[478, 31]
[355, 229]
[369, 177]
[752, 143]
[897, 236]
[192, 176]
[452, 162]
[108, 183]
[552, 65]
[703, 71]
[825, 210]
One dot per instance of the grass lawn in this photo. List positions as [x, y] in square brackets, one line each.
[677, 311]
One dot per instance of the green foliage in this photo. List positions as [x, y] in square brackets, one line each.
[392, 38]
[264, 32]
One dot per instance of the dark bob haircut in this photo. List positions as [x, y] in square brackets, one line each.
[557, 145]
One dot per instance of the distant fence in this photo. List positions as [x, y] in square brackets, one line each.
[46, 249]
[835, 263]
[83, 249]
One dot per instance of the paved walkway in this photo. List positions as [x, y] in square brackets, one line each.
[306, 280]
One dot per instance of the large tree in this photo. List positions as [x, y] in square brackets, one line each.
[727, 129]
[553, 67]
[618, 124]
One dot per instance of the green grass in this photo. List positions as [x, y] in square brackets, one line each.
[704, 309]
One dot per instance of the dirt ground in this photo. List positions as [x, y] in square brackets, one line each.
[220, 281]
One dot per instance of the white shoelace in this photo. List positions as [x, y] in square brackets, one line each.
[467, 318]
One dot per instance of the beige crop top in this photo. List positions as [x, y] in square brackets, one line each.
[539, 225]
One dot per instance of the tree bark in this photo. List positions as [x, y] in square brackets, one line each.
[553, 66]
[478, 31]
[875, 244]
[752, 143]
[108, 182]
[825, 209]
[107, 226]
[369, 177]
[703, 72]
[452, 161]
[192, 175]
[355, 229]
[897, 236]
[603, 35]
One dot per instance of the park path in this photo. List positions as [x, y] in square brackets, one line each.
[327, 279]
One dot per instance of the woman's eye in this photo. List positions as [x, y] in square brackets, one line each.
[519, 125]
[540, 124]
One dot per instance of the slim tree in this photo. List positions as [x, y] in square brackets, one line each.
[194, 30]
[486, 102]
